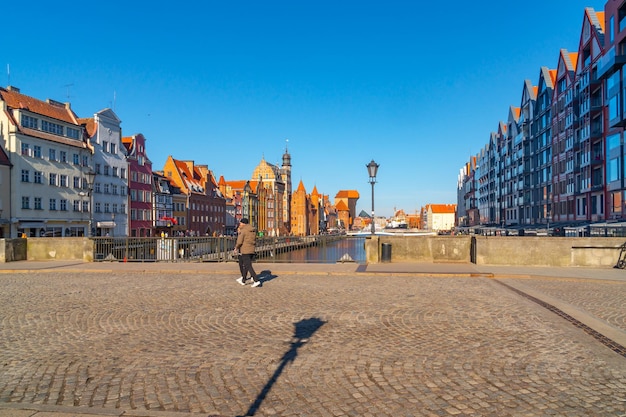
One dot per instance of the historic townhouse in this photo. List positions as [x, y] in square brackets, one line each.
[47, 147]
[438, 217]
[163, 206]
[300, 206]
[268, 180]
[140, 186]
[541, 148]
[610, 70]
[233, 192]
[216, 207]
[5, 193]
[206, 207]
[110, 187]
[589, 141]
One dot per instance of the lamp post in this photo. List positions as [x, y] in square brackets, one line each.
[372, 168]
[91, 176]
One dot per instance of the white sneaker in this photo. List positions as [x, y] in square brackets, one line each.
[241, 281]
[256, 283]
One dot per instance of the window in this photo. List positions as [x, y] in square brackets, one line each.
[26, 149]
[38, 177]
[75, 159]
[29, 122]
[85, 206]
[107, 208]
[76, 182]
[73, 133]
[53, 179]
[98, 208]
[53, 204]
[114, 189]
[37, 203]
[63, 205]
[113, 149]
[122, 208]
[106, 189]
[98, 169]
[63, 156]
[85, 161]
[25, 175]
[25, 202]
[97, 188]
[37, 151]
[76, 205]
[122, 172]
[63, 180]
[52, 155]
[50, 127]
[114, 173]
[105, 146]
[106, 170]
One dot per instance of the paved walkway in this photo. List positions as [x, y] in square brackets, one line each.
[394, 339]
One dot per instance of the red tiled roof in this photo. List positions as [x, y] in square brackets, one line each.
[50, 108]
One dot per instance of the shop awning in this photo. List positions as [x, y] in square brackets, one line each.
[105, 225]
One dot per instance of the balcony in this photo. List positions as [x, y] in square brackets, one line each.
[608, 63]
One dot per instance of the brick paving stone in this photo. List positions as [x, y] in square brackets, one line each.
[336, 345]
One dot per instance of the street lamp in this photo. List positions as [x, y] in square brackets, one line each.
[91, 176]
[372, 168]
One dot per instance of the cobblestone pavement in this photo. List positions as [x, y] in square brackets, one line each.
[166, 343]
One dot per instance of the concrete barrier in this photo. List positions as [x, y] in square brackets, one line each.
[482, 250]
[12, 250]
[59, 248]
[500, 250]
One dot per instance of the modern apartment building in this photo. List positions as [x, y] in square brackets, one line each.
[50, 157]
[560, 160]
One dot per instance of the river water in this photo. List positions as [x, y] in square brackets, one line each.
[350, 249]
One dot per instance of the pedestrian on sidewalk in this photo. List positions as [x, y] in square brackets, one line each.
[246, 248]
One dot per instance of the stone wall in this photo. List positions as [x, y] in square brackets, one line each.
[499, 250]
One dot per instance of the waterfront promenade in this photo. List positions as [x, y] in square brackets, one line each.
[391, 339]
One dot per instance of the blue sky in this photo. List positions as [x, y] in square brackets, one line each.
[416, 86]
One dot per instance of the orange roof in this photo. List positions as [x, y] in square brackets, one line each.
[347, 194]
[90, 125]
[442, 208]
[341, 206]
[49, 108]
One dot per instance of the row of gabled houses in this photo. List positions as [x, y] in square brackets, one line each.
[558, 160]
[61, 175]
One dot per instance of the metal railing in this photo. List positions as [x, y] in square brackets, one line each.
[318, 248]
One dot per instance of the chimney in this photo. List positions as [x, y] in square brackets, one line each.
[13, 88]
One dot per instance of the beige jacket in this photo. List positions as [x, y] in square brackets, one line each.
[246, 240]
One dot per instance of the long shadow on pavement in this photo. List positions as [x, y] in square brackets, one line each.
[304, 330]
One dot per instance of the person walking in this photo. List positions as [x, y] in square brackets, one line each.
[245, 247]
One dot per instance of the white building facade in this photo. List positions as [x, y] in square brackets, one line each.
[110, 188]
[50, 158]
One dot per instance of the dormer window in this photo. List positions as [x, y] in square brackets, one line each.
[29, 122]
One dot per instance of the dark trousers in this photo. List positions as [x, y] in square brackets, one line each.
[245, 265]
